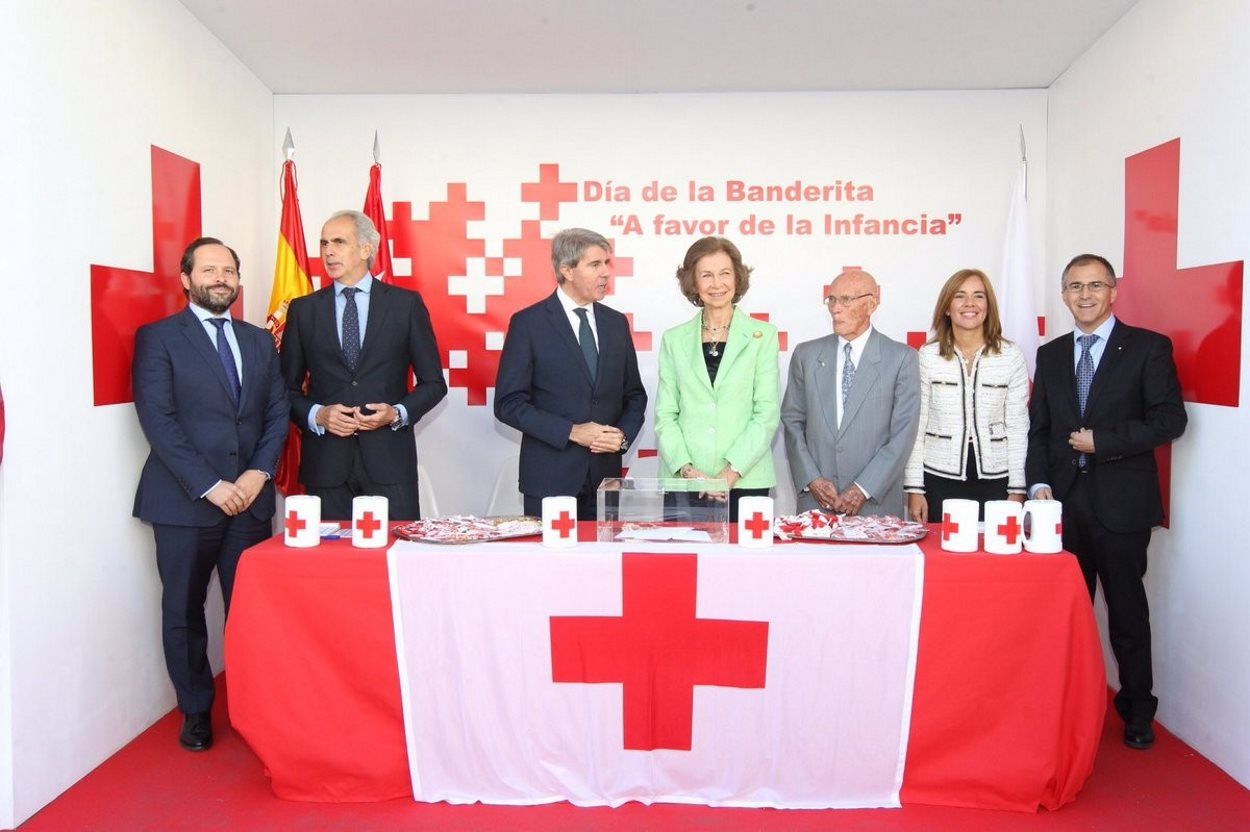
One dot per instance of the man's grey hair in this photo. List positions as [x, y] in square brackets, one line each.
[365, 232]
[570, 244]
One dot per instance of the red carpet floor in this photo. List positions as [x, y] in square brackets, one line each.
[152, 784]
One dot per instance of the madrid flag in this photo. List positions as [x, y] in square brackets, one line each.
[627, 672]
[290, 281]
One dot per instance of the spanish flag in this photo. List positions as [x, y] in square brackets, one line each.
[290, 281]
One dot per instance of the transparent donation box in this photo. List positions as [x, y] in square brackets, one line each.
[677, 510]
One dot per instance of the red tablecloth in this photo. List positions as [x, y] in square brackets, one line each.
[1007, 711]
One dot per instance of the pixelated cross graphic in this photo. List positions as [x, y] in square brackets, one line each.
[122, 300]
[1198, 307]
[368, 524]
[294, 524]
[657, 650]
[472, 296]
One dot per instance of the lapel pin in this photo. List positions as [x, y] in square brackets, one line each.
[757, 334]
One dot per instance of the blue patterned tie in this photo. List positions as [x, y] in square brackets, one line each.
[227, 359]
[351, 329]
[1084, 378]
[848, 374]
[587, 339]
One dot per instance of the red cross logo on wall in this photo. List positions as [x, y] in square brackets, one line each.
[1198, 307]
[658, 650]
[122, 300]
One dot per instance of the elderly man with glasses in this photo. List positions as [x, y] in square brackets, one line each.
[851, 408]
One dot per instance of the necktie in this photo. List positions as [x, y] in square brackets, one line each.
[227, 359]
[1084, 378]
[587, 339]
[848, 374]
[351, 329]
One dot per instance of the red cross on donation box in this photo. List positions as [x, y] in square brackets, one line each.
[757, 525]
[1010, 530]
[294, 524]
[658, 650]
[949, 527]
[563, 524]
[367, 525]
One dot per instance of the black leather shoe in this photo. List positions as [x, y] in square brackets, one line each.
[197, 732]
[1139, 735]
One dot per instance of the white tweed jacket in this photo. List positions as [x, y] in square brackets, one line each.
[987, 407]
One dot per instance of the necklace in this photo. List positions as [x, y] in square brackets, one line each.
[715, 348]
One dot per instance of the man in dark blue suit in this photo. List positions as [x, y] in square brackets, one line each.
[1104, 397]
[568, 379]
[213, 407]
[346, 355]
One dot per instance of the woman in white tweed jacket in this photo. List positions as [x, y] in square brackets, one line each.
[974, 391]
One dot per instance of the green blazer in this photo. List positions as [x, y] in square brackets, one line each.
[734, 422]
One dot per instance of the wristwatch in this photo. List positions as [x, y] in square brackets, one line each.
[624, 445]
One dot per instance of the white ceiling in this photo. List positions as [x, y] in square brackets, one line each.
[607, 46]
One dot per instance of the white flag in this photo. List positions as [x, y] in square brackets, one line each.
[1017, 306]
[623, 672]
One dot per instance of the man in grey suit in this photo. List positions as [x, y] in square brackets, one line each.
[851, 409]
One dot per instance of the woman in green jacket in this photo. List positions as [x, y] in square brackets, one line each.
[718, 404]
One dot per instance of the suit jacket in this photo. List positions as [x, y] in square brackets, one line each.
[878, 429]
[1134, 406]
[733, 421]
[398, 336]
[544, 388]
[197, 434]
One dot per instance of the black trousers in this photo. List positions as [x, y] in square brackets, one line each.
[403, 498]
[587, 501]
[185, 559]
[1117, 560]
[937, 489]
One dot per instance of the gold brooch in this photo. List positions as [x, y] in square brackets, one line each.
[757, 334]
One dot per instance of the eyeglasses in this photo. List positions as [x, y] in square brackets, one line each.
[845, 300]
[1094, 287]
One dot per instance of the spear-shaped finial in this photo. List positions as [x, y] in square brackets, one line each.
[288, 145]
[377, 149]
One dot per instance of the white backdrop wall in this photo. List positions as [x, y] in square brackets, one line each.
[1172, 69]
[89, 87]
[927, 154]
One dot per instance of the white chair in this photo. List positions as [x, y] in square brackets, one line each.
[426, 499]
[505, 497]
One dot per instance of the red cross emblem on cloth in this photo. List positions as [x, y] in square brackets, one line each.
[658, 650]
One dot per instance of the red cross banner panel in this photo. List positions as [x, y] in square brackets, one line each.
[626, 672]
